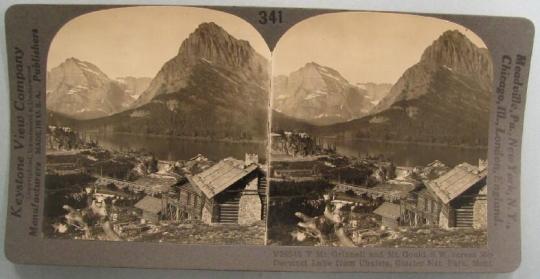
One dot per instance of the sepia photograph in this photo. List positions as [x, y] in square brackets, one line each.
[157, 128]
[379, 133]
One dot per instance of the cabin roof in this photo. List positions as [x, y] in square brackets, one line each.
[452, 184]
[149, 204]
[157, 183]
[221, 176]
[389, 210]
[340, 196]
[120, 193]
[189, 186]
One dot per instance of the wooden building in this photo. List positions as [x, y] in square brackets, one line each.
[231, 191]
[457, 198]
[156, 183]
[390, 214]
[461, 195]
[151, 208]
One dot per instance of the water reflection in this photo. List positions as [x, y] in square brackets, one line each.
[407, 154]
[166, 148]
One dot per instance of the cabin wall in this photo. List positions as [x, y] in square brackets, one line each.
[470, 209]
[208, 212]
[446, 217]
[250, 204]
[190, 205]
[480, 210]
[389, 222]
[227, 205]
[150, 217]
[243, 203]
[463, 211]
[428, 210]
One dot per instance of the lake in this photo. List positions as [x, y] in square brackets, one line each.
[169, 148]
[410, 155]
[402, 154]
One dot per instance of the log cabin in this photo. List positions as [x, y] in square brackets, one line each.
[457, 198]
[231, 191]
[151, 208]
[390, 214]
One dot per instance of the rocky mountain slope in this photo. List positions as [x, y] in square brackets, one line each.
[81, 90]
[319, 95]
[451, 51]
[217, 87]
[375, 92]
[212, 45]
[443, 99]
[134, 86]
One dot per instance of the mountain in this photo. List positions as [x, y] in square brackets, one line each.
[212, 45]
[216, 87]
[134, 86]
[443, 99]
[375, 92]
[80, 90]
[319, 95]
[452, 51]
[282, 122]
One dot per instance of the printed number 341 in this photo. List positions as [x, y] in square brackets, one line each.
[273, 17]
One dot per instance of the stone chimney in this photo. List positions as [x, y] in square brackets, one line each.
[482, 165]
[251, 158]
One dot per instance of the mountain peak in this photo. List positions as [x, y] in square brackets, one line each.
[452, 34]
[88, 69]
[312, 64]
[209, 45]
[213, 43]
[319, 95]
[209, 27]
[452, 54]
[456, 52]
[72, 59]
[81, 90]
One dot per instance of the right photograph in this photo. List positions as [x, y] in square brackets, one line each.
[379, 133]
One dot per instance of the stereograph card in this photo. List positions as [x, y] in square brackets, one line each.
[250, 138]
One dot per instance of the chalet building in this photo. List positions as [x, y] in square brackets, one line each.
[390, 214]
[231, 191]
[454, 199]
[151, 208]
[156, 183]
[152, 184]
[461, 195]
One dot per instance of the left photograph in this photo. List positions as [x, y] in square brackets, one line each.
[157, 128]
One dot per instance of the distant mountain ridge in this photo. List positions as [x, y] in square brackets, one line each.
[216, 88]
[209, 44]
[443, 99]
[453, 51]
[79, 89]
[319, 95]
[134, 86]
[375, 92]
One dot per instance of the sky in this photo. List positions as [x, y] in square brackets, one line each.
[137, 41]
[362, 46]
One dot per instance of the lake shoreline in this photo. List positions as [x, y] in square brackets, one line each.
[190, 138]
[403, 142]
